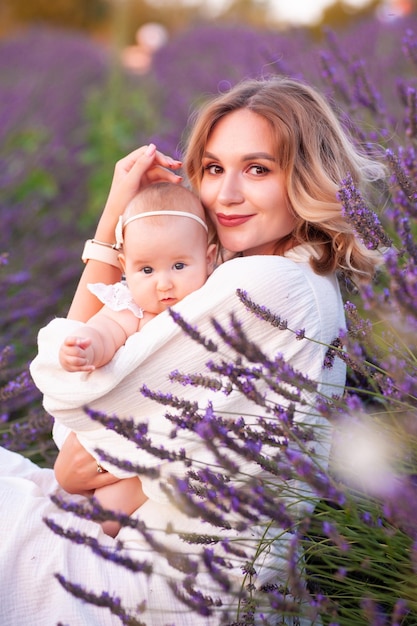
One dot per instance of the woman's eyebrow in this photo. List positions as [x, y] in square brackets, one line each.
[209, 155]
[266, 156]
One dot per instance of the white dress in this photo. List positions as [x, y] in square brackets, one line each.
[31, 554]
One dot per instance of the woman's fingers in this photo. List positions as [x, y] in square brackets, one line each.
[140, 168]
[151, 166]
[150, 150]
[76, 470]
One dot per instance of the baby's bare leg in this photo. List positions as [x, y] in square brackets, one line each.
[125, 496]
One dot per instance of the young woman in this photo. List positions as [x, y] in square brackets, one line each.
[267, 159]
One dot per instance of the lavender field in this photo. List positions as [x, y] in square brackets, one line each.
[68, 112]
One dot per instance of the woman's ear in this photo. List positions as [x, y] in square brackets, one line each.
[211, 257]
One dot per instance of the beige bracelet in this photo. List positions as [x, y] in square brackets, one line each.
[101, 251]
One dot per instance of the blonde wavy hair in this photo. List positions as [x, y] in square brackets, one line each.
[315, 153]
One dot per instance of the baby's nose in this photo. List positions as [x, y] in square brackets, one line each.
[164, 282]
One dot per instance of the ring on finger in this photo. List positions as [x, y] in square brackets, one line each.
[100, 469]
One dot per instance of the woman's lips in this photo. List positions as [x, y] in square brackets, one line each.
[232, 220]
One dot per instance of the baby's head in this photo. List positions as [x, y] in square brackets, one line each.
[161, 204]
[160, 198]
[165, 253]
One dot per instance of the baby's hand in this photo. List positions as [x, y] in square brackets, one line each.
[74, 355]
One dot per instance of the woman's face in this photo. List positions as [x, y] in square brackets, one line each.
[243, 187]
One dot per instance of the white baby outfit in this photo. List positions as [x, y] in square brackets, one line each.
[117, 297]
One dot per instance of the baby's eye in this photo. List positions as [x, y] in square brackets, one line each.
[179, 266]
[147, 270]
[258, 170]
[213, 169]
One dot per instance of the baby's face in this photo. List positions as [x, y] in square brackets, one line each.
[165, 259]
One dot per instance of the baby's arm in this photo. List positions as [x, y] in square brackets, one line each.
[96, 343]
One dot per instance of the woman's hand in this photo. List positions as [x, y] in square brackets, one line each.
[137, 170]
[76, 470]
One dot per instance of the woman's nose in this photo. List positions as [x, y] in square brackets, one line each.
[230, 191]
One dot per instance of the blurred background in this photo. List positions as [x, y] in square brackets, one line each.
[83, 83]
[101, 18]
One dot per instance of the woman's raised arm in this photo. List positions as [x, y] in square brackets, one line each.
[138, 169]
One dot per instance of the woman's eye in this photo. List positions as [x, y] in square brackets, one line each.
[179, 266]
[147, 270]
[213, 169]
[258, 170]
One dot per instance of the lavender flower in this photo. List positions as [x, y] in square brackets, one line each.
[104, 600]
[364, 221]
[404, 180]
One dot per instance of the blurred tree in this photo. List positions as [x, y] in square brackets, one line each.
[340, 14]
[107, 18]
[120, 20]
[77, 14]
[253, 12]
[174, 16]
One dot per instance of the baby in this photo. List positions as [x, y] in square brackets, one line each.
[165, 255]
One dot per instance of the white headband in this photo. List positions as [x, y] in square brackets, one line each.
[121, 226]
